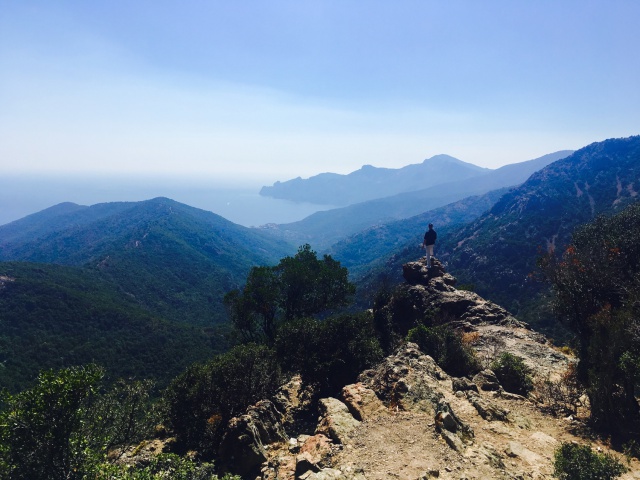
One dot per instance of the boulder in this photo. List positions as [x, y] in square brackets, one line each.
[486, 409]
[434, 288]
[486, 380]
[406, 379]
[463, 385]
[362, 402]
[336, 422]
[242, 449]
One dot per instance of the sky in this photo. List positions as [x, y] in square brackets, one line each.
[270, 90]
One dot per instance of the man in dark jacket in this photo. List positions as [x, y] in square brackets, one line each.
[428, 243]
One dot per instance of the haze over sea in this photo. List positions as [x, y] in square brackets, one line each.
[22, 195]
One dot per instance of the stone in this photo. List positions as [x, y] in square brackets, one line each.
[486, 409]
[318, 447]
[242, 449]
[516, 450]
[408, 379]
[362, 402]
[486, 380]
[435, 288]
[463, 384]
[336, 422]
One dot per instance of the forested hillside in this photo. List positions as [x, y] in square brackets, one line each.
[497, 252]
[54, 316]
[176, 261]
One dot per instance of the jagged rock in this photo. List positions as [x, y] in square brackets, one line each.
[324, 474]
[318, 449]
[336, 422]
[454, 431]
[486, 409]
[405, 379]
[510, 396]
[434, 288]
[463, 384]
[305, 463]
[514, 449]
[242, 449]
[362, 402]
[487, 381]
[433, 473]
[417, 272]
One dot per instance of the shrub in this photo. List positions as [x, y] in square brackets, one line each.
[513, 374]
[561, 396]
[205, 397]
[330, 353]
[596, 287]
[579, 462]
[62, 427]
[162, 467]
[446, 347]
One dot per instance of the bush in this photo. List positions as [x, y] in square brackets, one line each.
[596, 288]
[579, 462]
[162, 467]
[63, 426]
[204, 398]
[330, 353]
[446, 347]
[561, 396]
[513, 374]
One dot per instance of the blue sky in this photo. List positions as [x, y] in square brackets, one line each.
[270, 90]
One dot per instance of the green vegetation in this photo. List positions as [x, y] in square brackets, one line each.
[329, 354]
[176, 261]
[513, 374]
[597, 293]
[275, 309]
[164, 466]
[299, 286]
[53, 316]
[201, 400]
[579, 462]
[63, 427]
[445, 346]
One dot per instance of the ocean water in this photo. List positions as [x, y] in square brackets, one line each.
[23, 195]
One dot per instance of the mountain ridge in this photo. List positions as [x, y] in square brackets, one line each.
[371, 182]
[178, 261]
[322, 229]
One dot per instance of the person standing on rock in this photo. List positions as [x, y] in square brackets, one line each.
[428, 243]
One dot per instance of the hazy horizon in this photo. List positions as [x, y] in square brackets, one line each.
[23, 195]
[285, 88]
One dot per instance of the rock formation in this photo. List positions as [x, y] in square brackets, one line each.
[407, 419]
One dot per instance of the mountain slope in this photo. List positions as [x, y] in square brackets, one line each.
[358, 252]
[175, 260]
[323, 229]
[498, 251]
[371, 182]
[54, 316]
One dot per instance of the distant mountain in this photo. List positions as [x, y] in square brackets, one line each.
[323, 229]
[54, 316]
[498, 251]
[372, 182]
[176, 261]
[361, 251]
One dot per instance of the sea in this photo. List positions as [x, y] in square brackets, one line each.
[22, 195]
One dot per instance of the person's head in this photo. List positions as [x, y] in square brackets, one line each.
[431, 226]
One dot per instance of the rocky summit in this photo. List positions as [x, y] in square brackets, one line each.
[408, 419]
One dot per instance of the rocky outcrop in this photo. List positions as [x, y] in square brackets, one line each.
[242, 449]
[432, 289]
[406, 379]
[362, 402]
[336, 422]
